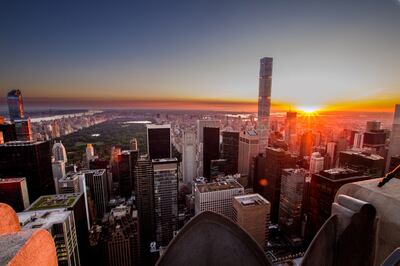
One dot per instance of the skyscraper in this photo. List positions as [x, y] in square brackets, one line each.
[251, 212]
[59, 152]
[290, 207]
[201, 124]
[306, 144]
[159, 141]
[276, 161]
[189, 157]
[97, 182]
[16, 111]
[14, 192]
[394, 145]
[89, 153]
[358, 140]
[69, 202]
[23, 129]
[133, 144]
[217, 196]
[248, 149]
[210, 149]
[126, 172]
[58, 168]
[31, 160]
[331, 150]
[119, 238]
[15, 105]
[264, 101]
[8, 130]
[373, 126]
[145, 202]
[61, 225]
[165, 178]
[290, 130]
[230, 151]
[369, 164]
[316, 163]
[323, 188]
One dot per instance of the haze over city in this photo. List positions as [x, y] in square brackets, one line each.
[328, 55]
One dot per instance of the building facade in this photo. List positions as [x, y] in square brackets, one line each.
[165, 193]
[217, 196]
[251, 212]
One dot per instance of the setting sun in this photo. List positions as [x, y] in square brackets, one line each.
[309, 109]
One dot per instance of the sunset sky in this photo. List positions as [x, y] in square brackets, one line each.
[334, 55]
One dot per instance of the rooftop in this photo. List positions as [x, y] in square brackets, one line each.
[93, 171]
[218, 186]
[155, 126]
[69, 177]
[165, 160]
[22, 143]
[11, 179]
[251, 200]
[55, 201]
[366, 155]
[42, 219]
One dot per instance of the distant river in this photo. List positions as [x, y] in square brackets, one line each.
[55, 117]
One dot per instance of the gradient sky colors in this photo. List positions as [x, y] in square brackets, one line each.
[327, 54]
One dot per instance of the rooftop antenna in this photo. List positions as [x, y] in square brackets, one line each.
[389, 176]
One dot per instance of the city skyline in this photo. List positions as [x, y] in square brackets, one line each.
[331, 56]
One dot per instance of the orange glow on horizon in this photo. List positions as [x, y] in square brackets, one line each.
[233, 105]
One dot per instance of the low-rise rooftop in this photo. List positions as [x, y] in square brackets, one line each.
[251, 200]
[42, 218]
[55, 201]
[364, 154]
[218, 186]
[11, 179]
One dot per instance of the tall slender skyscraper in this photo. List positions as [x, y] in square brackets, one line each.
[394, 146]
[15, 105]
[264, 101]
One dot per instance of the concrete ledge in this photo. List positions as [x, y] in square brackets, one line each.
[386, 201]
[20, 248]
[9, 222]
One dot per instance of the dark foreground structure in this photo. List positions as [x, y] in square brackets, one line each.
[349, 237]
